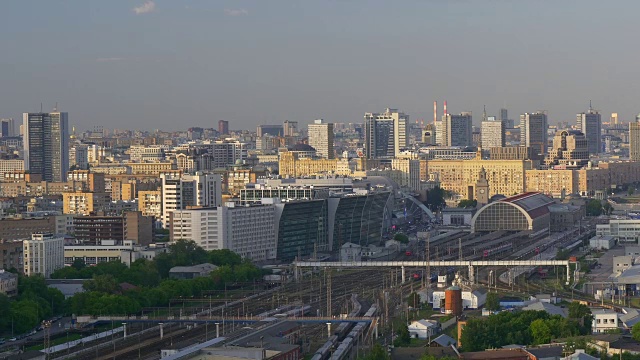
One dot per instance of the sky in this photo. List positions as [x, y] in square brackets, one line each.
[173, 64]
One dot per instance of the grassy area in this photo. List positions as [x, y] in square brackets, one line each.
[635, 303]
[57, 341]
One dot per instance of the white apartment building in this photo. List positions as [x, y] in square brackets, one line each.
[43, 254]
[492, 133]
[604, 320]
[140, 153]
[248, 231]
[622, 230]
[178, 192]
[321, 138]
[385, 133]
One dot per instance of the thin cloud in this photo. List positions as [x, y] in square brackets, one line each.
[109, 59]
[236, 12]
[145, 8]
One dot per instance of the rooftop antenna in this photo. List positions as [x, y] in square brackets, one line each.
[590, 108]
[484, 113]
[55, 109]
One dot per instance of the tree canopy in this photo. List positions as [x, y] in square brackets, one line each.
[492, 302]
[400, 237]
[435, 199]
[594, 207]
[467, 203]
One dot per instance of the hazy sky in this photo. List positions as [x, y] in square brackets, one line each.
[172, 64]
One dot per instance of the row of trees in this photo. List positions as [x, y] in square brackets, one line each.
[108, 293]
[524, 327]
[35, 302]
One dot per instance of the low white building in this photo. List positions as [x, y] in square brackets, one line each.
[623, 230]
[604, 320]
[423, 329]
[43, 254]
[453, 216]
[622, 263]
[602, 242]
[471, 298]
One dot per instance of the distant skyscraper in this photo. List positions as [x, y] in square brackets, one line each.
[273, 130]
[614, 119]
[457, 130]
[533, 131]
[290, 128]
[321, 138]
[492, 133]
[590, 124]
[634, 139]
[7, 127]
[46, 145]
[223, 127]
[504, 116]
[385, 133]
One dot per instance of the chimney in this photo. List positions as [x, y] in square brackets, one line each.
[445, 107]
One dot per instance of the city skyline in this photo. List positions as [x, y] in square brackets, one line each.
[145, 74]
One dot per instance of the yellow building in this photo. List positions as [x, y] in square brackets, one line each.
[290, 165]
[506, 177]
[151, 168]
[552, 182]
[592, 180]
[150, 203]
[84, 203]
[622, 172]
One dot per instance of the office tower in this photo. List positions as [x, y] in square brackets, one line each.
[591, 126]
[43, 254]
[493, 133]
[503, 115]
[533, 131]
[385, 133]
[321, 138]
[223, 127]
[614, 119]
[79, 156]
[273, 130]
[457, 130]
[46, 145]
[290, 128]
[178, 192]
[7, 127]
[634, 139]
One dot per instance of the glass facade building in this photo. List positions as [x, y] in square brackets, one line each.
[357, 219]
[523, 212]
[302, 228]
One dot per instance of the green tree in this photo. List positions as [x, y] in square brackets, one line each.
[540, 331]
[435, 199]
[102, 283]
[224, 257]
[582, 314]
[413, 300]
[492, 302]
[635, 332]
[78, 264]
[377, 353]
[402, 238]
[562, 254]
[404, 337]
[467, 203]
[607, 208]
[594, 207]
[187, 253]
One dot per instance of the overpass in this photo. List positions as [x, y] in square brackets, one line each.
[297, 265]
[222, 320]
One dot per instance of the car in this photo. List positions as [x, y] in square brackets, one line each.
[13, 339]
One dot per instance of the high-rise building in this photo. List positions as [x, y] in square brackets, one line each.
[321, 138]
[493, 133]
[533, 131]
[290, 128]
[385, 133]
[457, 130]
[46, 145]
[178, 192]
[223, 127]
[7, 127]
[43, 254]
[634, 139]
[614, 119]
[273, 130]
[590, 124]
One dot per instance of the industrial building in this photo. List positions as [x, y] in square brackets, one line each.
[527, 211]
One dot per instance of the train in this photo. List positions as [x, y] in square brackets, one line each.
[342, 350]
[296, 312]
[497, 250]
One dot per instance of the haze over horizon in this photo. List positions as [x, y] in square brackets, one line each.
[175, 64]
